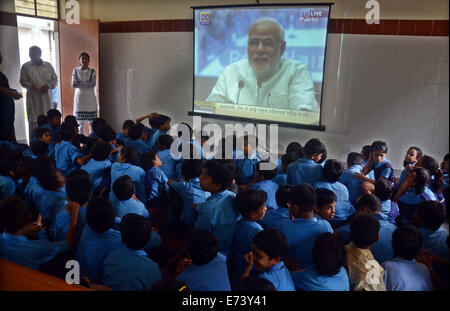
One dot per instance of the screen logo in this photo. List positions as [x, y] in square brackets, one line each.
[310, 16]
[205, 18]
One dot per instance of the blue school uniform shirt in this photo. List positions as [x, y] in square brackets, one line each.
[382, 249]
[390, 209]
[383, 169]
[49, 203]
[218, 215]
[138, 144]
[136, 174]
[29, 253]
[62, 221]
[303, 171]
[156, 181]
[192, 193]
[151, 141]
[212, 276]
[245, 167]
[270, 188]
[12, 146]
[130, 270]
[130, 206]
[96, 171]
[301, 234]
[93, 249]
[371, 174]
[279, 169]
[280, 179]
[446, 182]
[274, 218]
[411, 198]
[344, 209]
[168, 163]
[312, 280]
[280, 277]
[352, 183]
[7, 186]
[52, 132]
[406, 275]
[120, 137]
[66, 155]
[435, 241]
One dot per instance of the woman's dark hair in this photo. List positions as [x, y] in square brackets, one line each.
[436, 175]
[422, 179]
[84, 54]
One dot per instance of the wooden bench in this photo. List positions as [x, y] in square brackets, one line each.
[14, 277]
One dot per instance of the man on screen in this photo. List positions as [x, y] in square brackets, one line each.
[266, 79]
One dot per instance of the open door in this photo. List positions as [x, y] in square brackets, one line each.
[73, 40]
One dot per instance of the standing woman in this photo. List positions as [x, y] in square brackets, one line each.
[84, 80]
[7, 107]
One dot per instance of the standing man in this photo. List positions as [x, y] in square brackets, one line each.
[39, 78]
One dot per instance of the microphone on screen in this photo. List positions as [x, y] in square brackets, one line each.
[240, 86]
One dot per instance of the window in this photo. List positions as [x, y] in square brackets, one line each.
[38, 8]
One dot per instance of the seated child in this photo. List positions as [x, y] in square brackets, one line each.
[251, 205]
[95, 124]
[9, 175]
[436, 183]
[365, 154]
[168, 163]
[155, 178]
[411, 157]
[127, 202]
[42, 120]
[106, 135]
[42, 135]
[135, 139]
[126, 166]
[331, 173]
[98, 239]
[269, 249]
[54, 122]
[37, 149]
[274, 217]
[246, 161]
[18, 242]
[326, 204]
[384, 190]
[161, 124]
[404, 273]
[32, 188]
[301, 232]
[328, 273]
[306, 169]
[206, 270]
[99, 167]
[218, 213]
[67, 156]
[129, 268]
[286, 159]
[364, 272]
[348, 178]
[189, 189]
[255, 284]
[122, 136]
[264, 182]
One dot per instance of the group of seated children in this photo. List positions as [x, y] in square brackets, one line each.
[137, 218]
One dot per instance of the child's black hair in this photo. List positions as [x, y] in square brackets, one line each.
[164, 142]
[72, 120]
[314, 146]
[419, 151]
[106, 133]
[202, 246]
[159, 121]
[282, 196]
[67, 131]
[422, 178]
[272, 242]
[379, 145]
[135, 231]
[249, 200]
[304, 196]
[48, 178]
[42, 119]
[100, 215]
[364, 229]
[127, 124]
[39, 148]
[446, 157]
[43, 163]
[79, 189]
[135, 132]
[354, 158]
[406, 242]
[325, 196]
[365, 152]
[123, 188]
[101, 151]
[289, 158]
[369, 201]
[431, 214]
[332, 170]
[78, 172]
[267, 174]
[296, 148]
[328, 254]
[53, 113]
[96, 122]
[222, 172]
[192, 168]
[147, 160]
[9, 161]
[130, 155]
[436, 175]
[40, 131]
[255, 284]
[383, 189]
[14, 214]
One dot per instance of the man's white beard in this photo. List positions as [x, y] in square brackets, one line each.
[268, 73]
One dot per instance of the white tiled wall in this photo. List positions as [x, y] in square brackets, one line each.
[393, 88]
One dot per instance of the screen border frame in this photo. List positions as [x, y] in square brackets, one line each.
[319, 127]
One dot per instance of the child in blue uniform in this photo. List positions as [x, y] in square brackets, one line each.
[129, 268]
[161, 124]
[54, 121]
[436, 183]
[43, 135]
[326, 204]
[168, 163]
[99, 167]
[106, 135]
[120, 137]
[126, 200]
[384, 191]
[9, 174]
[286, 159]
[264, 182]
[38, 148]
[274, 218]
[269, 249]
[306, 170]
[155, 179]
[251, 205]
[246, 161]
[135, 139]
[206, 270]
[302, 231]
[348, 178]
[328, 273]
[412, 156]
